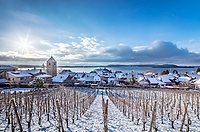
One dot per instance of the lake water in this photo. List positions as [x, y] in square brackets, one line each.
[129, 69]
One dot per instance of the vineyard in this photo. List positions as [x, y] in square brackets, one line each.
[87, 109]
[153, 110]
[22, 111]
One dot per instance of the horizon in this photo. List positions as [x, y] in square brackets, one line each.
[110, 65]
[100, 32]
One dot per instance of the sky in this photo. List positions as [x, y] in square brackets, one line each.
[100, 32]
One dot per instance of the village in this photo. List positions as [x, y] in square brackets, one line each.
[11, 76]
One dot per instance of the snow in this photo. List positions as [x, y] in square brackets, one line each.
[16, 89]
[153, 80]
[60, 78]
[3, 81]
[43, 76]
[92, 120]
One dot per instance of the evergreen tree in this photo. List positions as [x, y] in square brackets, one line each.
[38, 83]
[165, 72]
[175, 72]
[198, 70]
[133, 80]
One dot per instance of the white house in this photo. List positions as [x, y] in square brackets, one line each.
[19, 77]
[166, 79]
[90, 78]
[197, 84]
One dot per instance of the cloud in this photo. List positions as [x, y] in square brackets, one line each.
[89, 43]
[90, 50]
[157, 52]
[71, 37]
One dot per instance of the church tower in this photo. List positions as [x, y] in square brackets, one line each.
[51, 66]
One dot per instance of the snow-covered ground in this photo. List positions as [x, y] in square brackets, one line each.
[92, 121]
[16, 89]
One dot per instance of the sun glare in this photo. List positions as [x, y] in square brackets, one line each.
[24, 44]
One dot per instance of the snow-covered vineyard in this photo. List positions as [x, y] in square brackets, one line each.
[84, 109]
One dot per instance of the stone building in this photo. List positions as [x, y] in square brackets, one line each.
[51, 66]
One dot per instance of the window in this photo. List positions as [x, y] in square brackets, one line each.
[49, 63]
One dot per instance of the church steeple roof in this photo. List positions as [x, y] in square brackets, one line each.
[51, 59]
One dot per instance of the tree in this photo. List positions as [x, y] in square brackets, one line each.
[198, 70]
[175, 72]
[38, 83]
[132, 81]
[165, 72]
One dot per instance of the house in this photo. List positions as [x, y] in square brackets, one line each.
[153, 82]
[19, 77]
[197, 84]
[4, 83]
[167, 79]
[4, 69]
[65, 77]
[90, 78]
[45, 77]
[142, 81]
[23, 77]
[59, 78]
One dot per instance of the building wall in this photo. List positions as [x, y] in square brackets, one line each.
[52, 68]
[19, 80]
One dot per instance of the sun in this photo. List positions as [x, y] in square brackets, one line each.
[24, 44]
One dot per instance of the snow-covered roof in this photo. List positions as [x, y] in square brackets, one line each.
[144, 83]
[78, 75]
[89, 78]
[60, 78]
[26, 73]
[20, 74]
[197, 82]
[153, 80]
[121, 75]
[43, 76]
[140, 78]
[102, 71]
[184, 79]
[194, 76]
[3, 81]
[165, 78]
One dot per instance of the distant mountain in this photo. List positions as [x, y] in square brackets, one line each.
[153, 66]
[171, 66]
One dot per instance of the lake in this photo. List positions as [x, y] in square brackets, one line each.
[129, 69]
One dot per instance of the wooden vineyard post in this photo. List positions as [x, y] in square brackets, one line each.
[67, 111]
[12, 123]
[198, 107]
[48, 108]
[184, 115]
[74, 108]
[59, 116]
[17, 116]
[77, 106]
[153, 118]
[30, 108]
